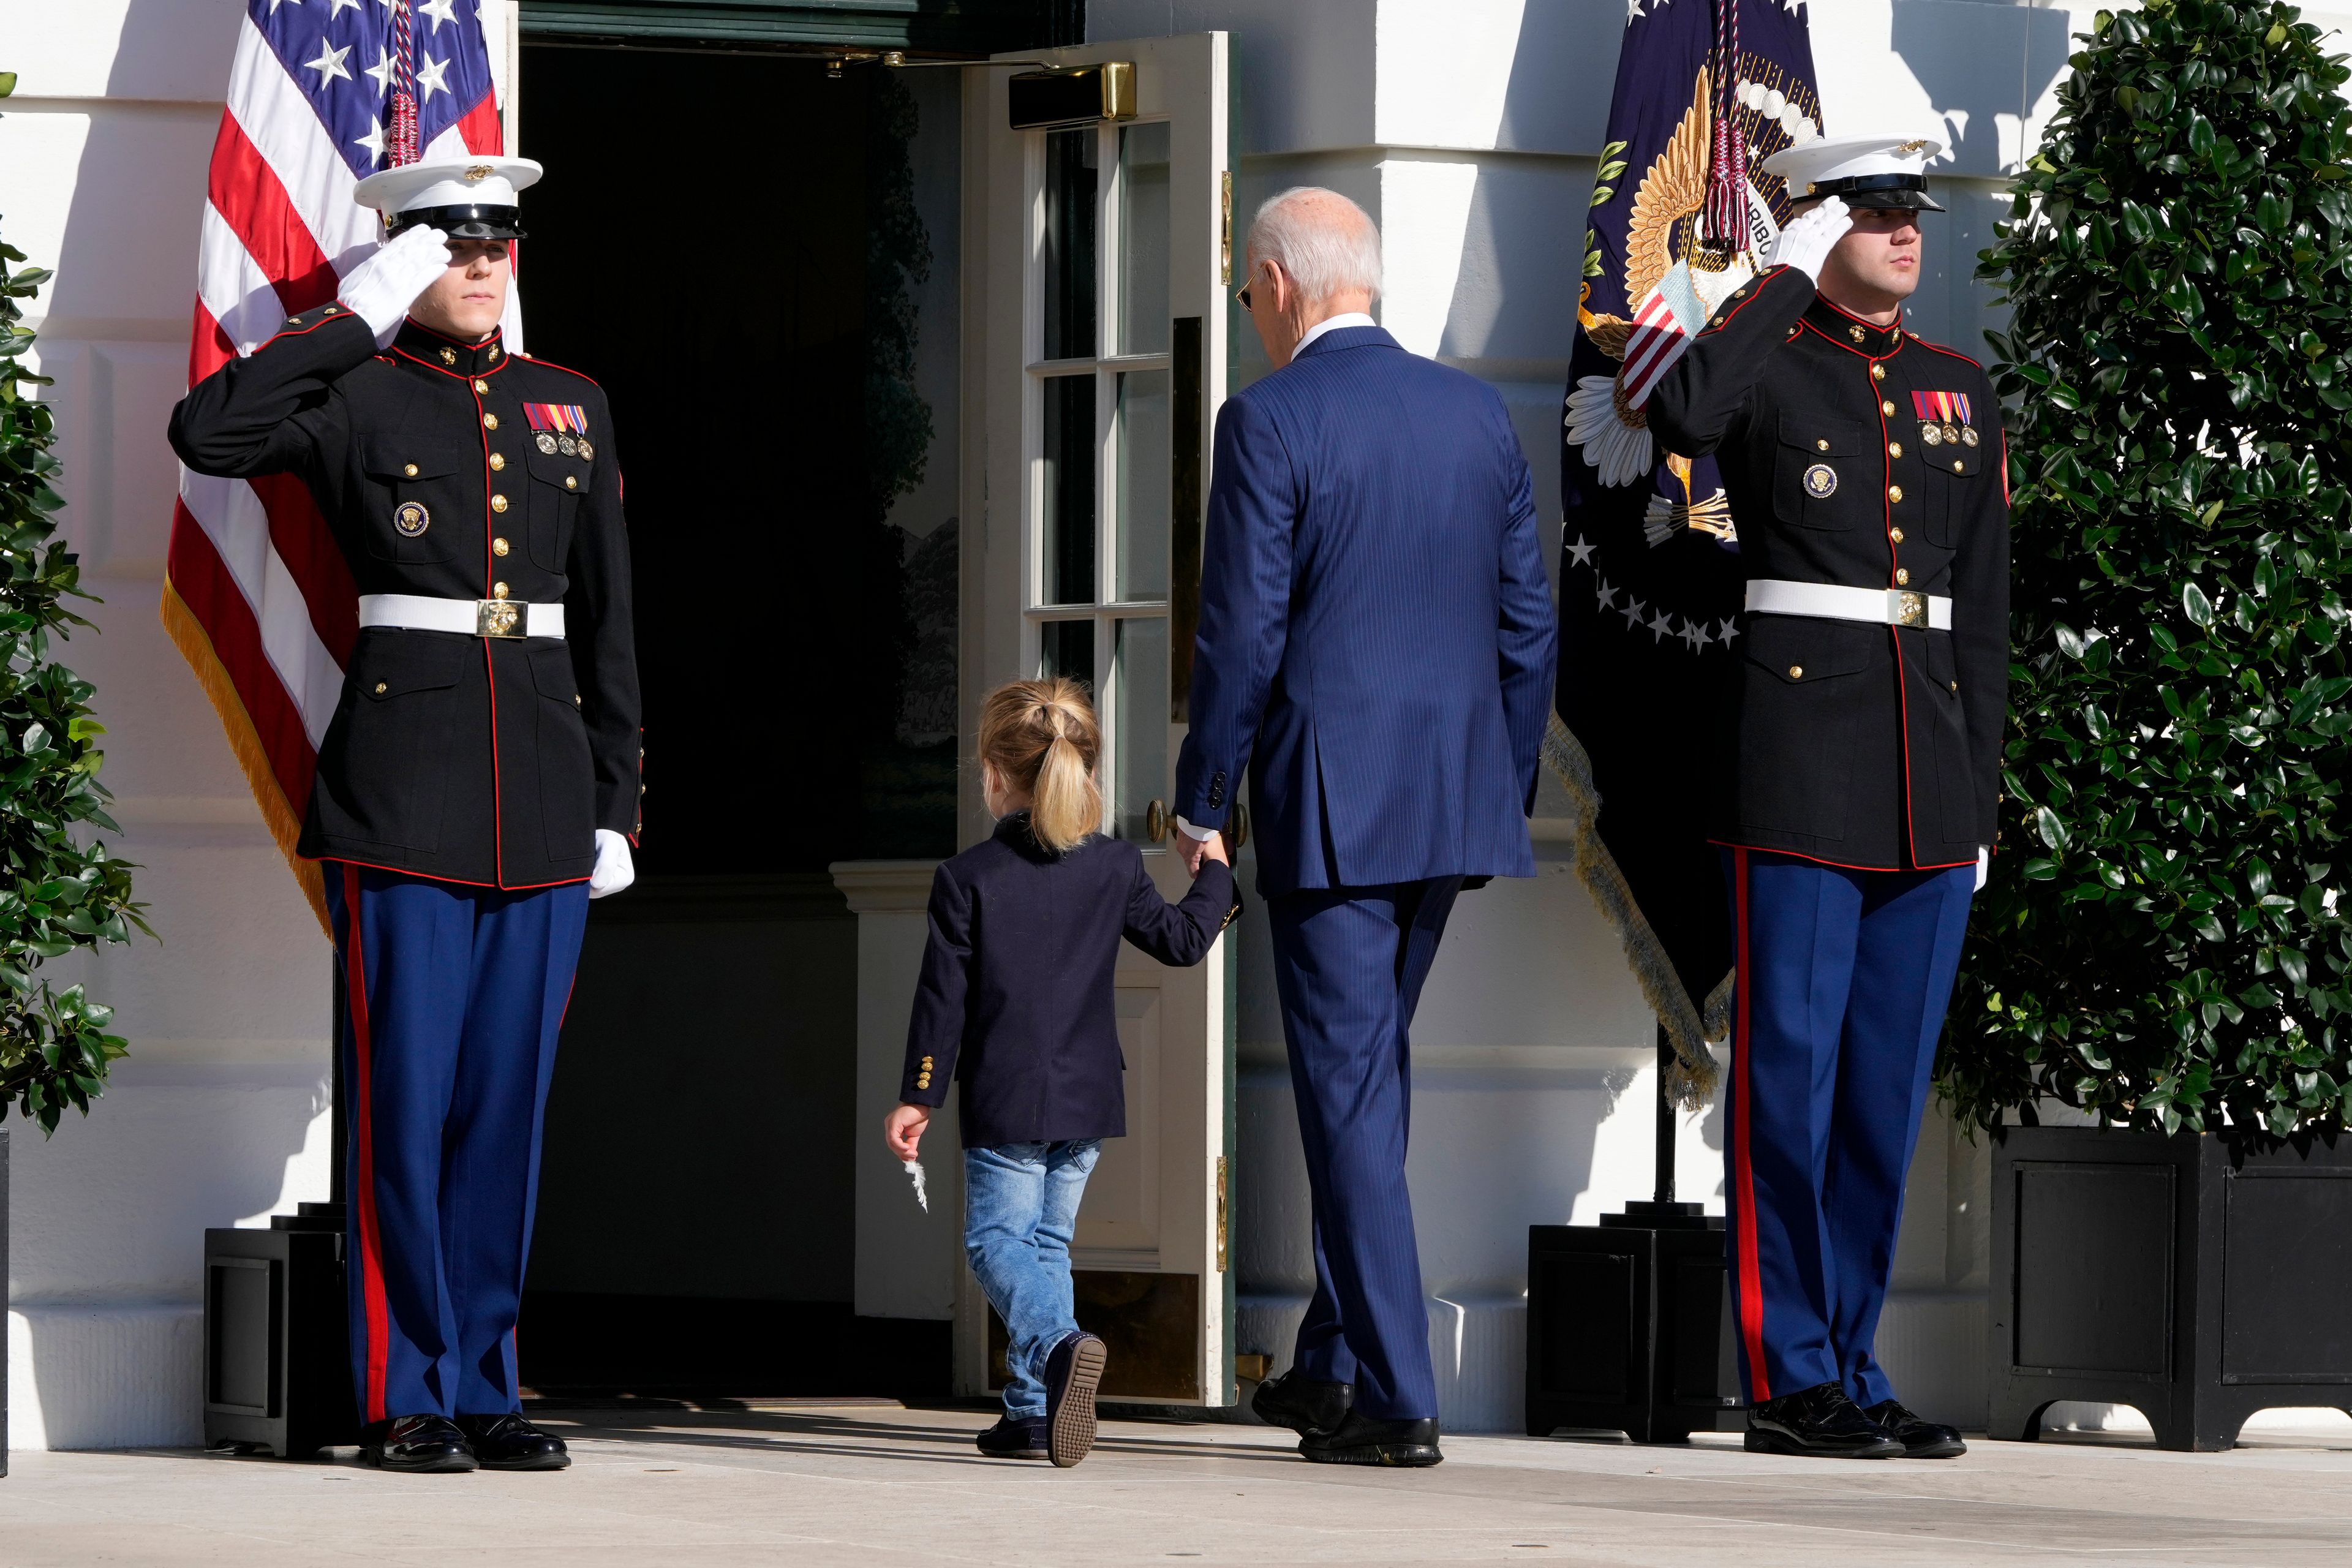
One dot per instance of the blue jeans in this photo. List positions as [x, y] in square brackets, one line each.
[1020, 1210]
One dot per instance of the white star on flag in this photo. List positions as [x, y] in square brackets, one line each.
[372, 141]
[1632, 12]
[330, 63]
[1631, 612]
[340, 7]
[1727, 633]
[428, 81]
[1658, 626]
[439, 10]
[1581, 551]
[381, 72]
[275, 3]
[1603, 593]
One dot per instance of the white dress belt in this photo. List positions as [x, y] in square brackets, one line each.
[467, 617]
[1824, 601]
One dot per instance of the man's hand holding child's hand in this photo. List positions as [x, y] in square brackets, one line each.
[1196, 850]
[903, 1128]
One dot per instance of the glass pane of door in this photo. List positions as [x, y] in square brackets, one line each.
[1069, 260]
[1139, 510]
[1067, 648]
[1143, 240]
[1068, 556]
[1140, 746]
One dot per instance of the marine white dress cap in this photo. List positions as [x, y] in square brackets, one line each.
[467, 198]
[1867, 171]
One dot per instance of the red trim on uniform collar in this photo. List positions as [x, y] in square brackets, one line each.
[1885, 340]
[472, 359]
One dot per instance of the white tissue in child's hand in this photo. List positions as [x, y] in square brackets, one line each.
[915, 1171]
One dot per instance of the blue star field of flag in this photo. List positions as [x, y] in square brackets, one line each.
[341, 54]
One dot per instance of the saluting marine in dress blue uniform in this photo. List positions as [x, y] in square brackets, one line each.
[1861, 733]
[481, 768]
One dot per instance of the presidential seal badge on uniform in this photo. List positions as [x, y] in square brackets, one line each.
[410, 519]
[1821, 481]
[559, 427]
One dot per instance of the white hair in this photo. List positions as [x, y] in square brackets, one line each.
[1326, 243]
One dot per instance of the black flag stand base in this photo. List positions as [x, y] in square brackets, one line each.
[278, 1369]
[1629, 1322]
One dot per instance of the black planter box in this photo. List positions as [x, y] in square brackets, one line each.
[1630, 1326]
[2196, 1278]
[277, 1372]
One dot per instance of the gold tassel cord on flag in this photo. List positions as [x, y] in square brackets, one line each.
[195, 646]
[1693, 1080]
[1712, 515]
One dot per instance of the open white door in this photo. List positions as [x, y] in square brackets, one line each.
[1097, 259]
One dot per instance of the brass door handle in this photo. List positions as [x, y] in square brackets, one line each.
[1155, 821]
[1237, 827]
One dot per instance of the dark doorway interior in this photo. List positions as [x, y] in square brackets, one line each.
[722, 281]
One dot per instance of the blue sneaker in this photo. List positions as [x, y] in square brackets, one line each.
[1073, 1372]
[1014, 1437]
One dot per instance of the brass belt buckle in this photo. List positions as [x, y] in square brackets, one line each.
[1910, 609]
[497, 618]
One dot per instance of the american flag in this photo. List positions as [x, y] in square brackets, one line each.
[254, 593]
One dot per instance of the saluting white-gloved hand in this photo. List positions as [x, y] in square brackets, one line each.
[1808, 240]
[1984, 866]
[614, 870]
[381, 289]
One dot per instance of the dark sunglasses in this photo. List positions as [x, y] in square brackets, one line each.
[1245, 295]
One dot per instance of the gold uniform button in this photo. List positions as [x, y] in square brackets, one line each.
[1821, 446]
[1958, 467]
[1887, 409]
[1878, 373]
[410, 469]
[572, 481]
[1855, 333]
[489, 421]
[498, 461]
[497, 590]
[500, 547]
[1956, 686]
[331, 309]
[498, 503]
[1894, 492]
[1902, 577]
[1895, 535]
[381, 689]
[481, 385]
[1894, 448]
[1796, 672]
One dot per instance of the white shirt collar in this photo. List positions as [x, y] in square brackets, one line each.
[1332, 325]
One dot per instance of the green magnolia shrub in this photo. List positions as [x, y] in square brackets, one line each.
[57, 893]
[2162, 942]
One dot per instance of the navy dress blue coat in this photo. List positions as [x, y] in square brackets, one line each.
[1377, 634]
[1015, 997]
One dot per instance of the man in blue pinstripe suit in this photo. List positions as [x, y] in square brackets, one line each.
[1375, 651]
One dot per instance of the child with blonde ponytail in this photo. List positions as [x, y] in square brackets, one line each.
[1016, 1004]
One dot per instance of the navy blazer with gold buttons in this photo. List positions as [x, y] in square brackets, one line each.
[1863, 457]
[490, 760]
[1015, 997]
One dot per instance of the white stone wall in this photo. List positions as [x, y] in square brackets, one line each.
[1470, 129]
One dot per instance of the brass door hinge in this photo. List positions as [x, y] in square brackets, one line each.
[1221, 1210]
[1225, 229]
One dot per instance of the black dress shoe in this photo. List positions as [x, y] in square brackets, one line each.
[1015, 1439]
[1302, 1404]
[422, 1445]
[1821, 1422]
[1361, 1439]
[1072, 1372]
[511, 1443]
[1920, 1439]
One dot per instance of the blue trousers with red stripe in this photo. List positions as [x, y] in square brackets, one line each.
[456, 995]
[1844, 979]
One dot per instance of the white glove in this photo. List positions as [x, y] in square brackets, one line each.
[1984, 866]
[614, 870]
[1807, 242]
[380, 289]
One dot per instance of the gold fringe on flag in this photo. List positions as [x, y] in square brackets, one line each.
[196, 648]
[1692, 1081]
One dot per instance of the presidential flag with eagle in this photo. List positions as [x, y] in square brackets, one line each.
[321, 94]
[1650, 584]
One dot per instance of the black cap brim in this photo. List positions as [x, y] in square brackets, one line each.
[466, 222]
[1879, 191]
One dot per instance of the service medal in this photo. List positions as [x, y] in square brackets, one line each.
[1969, 434]
[589, 452]
[569, 446]
[410, 519]
[547, 443]
[1821, 481]
[1952, 434]
[1932, 434]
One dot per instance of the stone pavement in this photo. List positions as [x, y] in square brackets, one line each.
[878, 1484]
